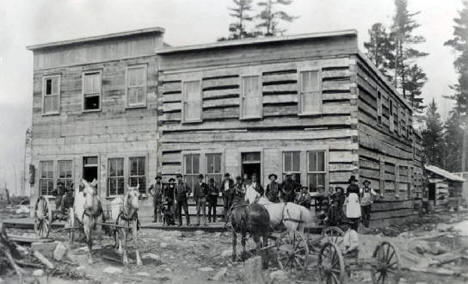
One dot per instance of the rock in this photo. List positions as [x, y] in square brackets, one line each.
[60, 251]
[253, 271]
[206, 269]
[220, 275]
[81, 268]
[226, 253]
[46, 249]
[142, 273]
[112, 270]
[163, 245]
[38, 273]
[278, 276]
[151, 256]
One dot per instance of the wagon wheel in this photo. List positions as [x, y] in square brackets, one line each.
[293, 252]
[333, 235]
[387, 269]
[42, 217]
[331, 264]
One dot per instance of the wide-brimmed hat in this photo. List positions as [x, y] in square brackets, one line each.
[352, 178]
[158, 176]
[272, 175]
[227, 175]
[178, 175]
[287, 174]
[200, 176]
[238, 178]
[366, 182]
[171, 179]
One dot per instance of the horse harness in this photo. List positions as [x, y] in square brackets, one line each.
[289, 218]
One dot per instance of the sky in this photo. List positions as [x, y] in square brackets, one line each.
[26, 22]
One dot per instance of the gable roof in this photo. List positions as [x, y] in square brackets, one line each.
[444, 173]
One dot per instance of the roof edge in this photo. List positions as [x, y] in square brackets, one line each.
[252, 41]
[95, 38]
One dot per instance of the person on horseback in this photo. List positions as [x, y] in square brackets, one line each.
[273, 189]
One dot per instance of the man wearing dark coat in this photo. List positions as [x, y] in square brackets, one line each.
[182, 192]
[226, 191]
[256, 185]
[288, 189]
[212, 199]
[200, 192]
[238, 193]
[273, 189]
[156, 191]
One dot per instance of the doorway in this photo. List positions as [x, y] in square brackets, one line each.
[90, 168]
[432, 192]
[251, 164]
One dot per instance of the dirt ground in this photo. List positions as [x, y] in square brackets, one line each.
[202, 257]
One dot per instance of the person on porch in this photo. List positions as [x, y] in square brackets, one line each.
[200, 193]
[226, 192]
[156, 191]
[273, 189]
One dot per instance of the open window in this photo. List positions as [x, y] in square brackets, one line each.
[51, 94]
[92, 91]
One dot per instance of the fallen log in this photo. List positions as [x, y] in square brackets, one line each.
[9, 252]
[43, 259]
[441, 272]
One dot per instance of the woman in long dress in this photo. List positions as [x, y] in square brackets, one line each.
[352, 204]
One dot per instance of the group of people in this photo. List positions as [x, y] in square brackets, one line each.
[171, 199]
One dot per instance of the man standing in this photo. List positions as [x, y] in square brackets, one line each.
[156, 191]
[273, 189]
[226, 190]
[200, 192]
[182, 192]
[288, 188]
[212, 198]
[367, 198]
[59, 192]
[169, 198]
[238, 192]
[256, 185]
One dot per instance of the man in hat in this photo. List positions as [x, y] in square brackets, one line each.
[182, 192]
[169, 197]
[273, 189]
[367, 198]
[350, 244]
[226, 191]
[212, 198]
[288, 189]
[59, 192]
[156, 191]
[200, 192]
[304, 198]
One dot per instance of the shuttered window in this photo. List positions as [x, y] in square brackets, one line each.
[115, 181]
[192, 169]
[316, 170]
[92, 91]
[137, 174]
[136, 86]
[310, 93]
[46, 178]
[51, 95]
[251, 97]
[192, 102]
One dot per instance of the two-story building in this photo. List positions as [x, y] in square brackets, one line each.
[94, 112]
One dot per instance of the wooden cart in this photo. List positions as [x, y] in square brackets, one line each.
[384, 264]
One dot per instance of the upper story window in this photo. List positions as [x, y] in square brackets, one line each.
[192, 101]
[51, 94]
[92, 91]
[136, 86]
[251, 97]
[310, 92]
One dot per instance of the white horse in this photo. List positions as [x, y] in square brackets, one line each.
[126, 218]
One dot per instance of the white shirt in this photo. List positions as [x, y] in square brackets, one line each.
[251, 194]
[350, 240]
[226, 185]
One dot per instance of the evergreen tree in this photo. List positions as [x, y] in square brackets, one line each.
[241, 13]
[453, 138]
[379, 48]
[271, 16]
[404, 53]
[432, 136]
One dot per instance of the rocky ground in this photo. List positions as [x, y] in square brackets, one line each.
[201, 257]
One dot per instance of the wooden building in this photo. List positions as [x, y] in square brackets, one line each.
[308, 104]
[94, 112]
[444, 188]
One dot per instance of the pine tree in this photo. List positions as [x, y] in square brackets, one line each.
[453, 141]
[241, 13]
[271, 16]
[404, 53]
[432, 136]
[379, 48]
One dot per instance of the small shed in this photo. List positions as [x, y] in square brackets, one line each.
[444, 188]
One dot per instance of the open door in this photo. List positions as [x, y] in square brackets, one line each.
[251, 164]
[90, 168]
[432, 193]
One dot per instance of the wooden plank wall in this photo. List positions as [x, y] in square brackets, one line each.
[280, 127]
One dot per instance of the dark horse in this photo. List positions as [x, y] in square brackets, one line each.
[253, 219]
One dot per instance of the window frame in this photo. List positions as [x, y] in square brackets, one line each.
[299, 172]
[379, 108]
[143, 188]
[325, 171]
[185, 101]
[300, 92]
[41, 166]
[193, 176]
[44, 78]
[221, 168]
[242, 97]
[64, 180]
[83, 75]
[109, 177]
[145, 86]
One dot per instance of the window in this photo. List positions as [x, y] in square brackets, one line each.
[65, 172]
[92, 90]
[316, 170]
[213, 168]
[391, 119]
[51, 94]
[137, 173]
[136, 86]
[310, 94]
[192, 169]
[292, 164]
[192, 101]
[46, 179]
[379, 108]
[251, 97]
[115, 181]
